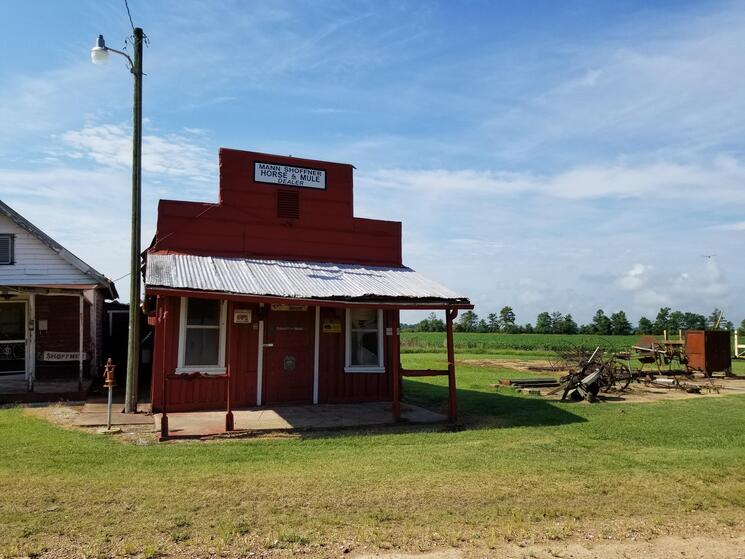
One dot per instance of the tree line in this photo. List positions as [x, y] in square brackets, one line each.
[555, 322]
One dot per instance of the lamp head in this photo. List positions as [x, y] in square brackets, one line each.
[99, 53]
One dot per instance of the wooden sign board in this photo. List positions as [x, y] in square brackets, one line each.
[332, 326]
[280, 307]
[242, 316]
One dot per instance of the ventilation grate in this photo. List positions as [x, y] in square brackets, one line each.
[288, 204]
[6, 249]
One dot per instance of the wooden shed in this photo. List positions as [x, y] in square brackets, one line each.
[51, 309]
[278, 294]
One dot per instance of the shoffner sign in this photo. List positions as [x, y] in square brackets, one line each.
[288, 175]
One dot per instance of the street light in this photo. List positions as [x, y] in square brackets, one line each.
[99, 55]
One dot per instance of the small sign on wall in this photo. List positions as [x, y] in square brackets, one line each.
[62, 356]
[242, 316]
[280, 307]
[332, 326]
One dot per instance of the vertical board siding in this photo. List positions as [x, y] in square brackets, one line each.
[63, 331]
[336, 386]
[204, 393]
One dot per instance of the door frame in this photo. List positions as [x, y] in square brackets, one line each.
[27, 339]
[263, 372]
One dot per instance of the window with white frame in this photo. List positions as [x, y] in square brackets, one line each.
[202, 336]
[7, 242]
[364, 341]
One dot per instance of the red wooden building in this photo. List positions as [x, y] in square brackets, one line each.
[279, 294]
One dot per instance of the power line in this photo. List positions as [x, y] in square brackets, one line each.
[126, 5]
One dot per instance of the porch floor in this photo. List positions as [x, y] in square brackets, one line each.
[14, 389]
[293, 418]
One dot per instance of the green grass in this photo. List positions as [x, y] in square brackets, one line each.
[522, 468]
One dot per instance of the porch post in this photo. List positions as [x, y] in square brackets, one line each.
[164, 414]
[316, 354]
[395, 358]
[81, 306]
[229, 424]
[229, 415]
[450, 315]
[31, 336]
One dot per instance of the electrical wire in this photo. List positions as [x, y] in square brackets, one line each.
[126, 5]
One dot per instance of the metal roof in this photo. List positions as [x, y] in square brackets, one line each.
[295, 279]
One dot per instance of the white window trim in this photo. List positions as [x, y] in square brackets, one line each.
[207, 370]
[348, 367]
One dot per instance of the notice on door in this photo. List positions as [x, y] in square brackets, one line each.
[288, 175]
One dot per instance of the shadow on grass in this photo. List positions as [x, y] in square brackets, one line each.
[489, 409]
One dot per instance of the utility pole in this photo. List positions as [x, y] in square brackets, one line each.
[133, 344]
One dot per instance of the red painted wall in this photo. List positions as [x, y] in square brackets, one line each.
[244, 222]
[334, 386]
[63, 334]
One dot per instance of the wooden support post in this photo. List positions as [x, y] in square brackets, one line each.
[395, 358]
[31, 336]
[81, 307]
[450, 315]
[163, 333]
[229, 415]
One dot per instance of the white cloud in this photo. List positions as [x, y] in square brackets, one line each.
[172, 155]
[722, 177]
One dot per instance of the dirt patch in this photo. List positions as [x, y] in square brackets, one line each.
[532, 366]
[660, 548]
[66, 415]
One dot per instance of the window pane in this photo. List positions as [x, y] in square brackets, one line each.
[364, 349]
[364, 319]
[203, 312]
[12, 321]
[202, 347]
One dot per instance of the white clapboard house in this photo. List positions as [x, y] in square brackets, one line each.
[51, 308]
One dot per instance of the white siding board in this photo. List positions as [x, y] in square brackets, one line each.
[35, 262]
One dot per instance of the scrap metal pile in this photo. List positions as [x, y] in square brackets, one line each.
[592, 374]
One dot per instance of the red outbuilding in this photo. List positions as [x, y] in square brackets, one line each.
[278, 294]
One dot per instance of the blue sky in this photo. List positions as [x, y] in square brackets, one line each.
[545, 155]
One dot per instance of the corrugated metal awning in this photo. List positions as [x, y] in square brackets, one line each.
[296, 280]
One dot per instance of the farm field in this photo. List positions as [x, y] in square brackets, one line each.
[532, 345]
[521, 470]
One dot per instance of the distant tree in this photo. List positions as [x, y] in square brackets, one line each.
[675, 322]
[543, 323]
[645, 326]
[528, 328]
[741, 329]
[467, 322]
[693, 321]
[601, 324]
[482, 326]
[619, 324]
[492, 320]
[431, 324]
[507, 319]
[568, 326]
[661, 321]
[556, 320]
[586, 329]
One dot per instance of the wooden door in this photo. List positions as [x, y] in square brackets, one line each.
[12, 337]
[288, 357]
